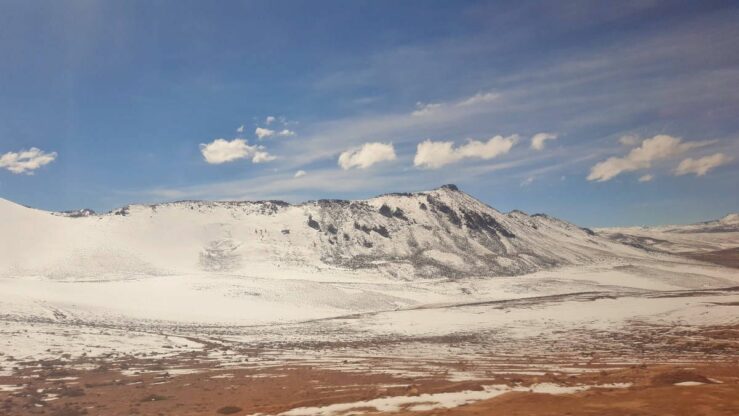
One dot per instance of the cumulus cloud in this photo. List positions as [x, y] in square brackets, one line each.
[702, 165]
[659, 147]
[269, 120]
[479, 98]
[433, 155]
[263, 133]
[222, 151]
[26, 161]
[646, 178]
[240, 129]
[300, 174]
[367, 155]
[537, 141]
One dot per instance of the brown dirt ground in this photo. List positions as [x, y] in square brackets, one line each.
[653, 393]
[107, 392]
[131, 385]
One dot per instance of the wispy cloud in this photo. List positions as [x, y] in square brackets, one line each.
[284, 185]
[425, 109]
[528, 181]
[479, 98]
[539, 139]
[263, 133]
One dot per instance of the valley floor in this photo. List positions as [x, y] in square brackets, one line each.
[627, 337]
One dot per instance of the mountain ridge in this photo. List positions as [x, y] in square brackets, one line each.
[715, 235]
[442, 233]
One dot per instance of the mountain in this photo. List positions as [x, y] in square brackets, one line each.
[703, 237]
[433, 234]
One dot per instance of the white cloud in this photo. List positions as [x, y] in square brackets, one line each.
[425, 109]
[537, 141]
[264, 133]
[222, 151]
[702, 165]
[528, 181]
[26, 161]
[479, 98]
[240, 129]
[319, 139]
[367, 155]
[434, 155]
[300, 174]
[657, 148]
[261, 156]
[269, 120]
[646, 178]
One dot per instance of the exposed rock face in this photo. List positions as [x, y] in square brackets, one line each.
[85, 212]
[447, 233]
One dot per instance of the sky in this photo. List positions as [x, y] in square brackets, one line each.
[600, 113]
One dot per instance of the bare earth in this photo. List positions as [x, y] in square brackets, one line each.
[628, 376]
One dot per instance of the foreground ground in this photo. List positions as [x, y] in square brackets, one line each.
[53, 388]
[627, 337]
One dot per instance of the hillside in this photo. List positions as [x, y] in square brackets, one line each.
[439, 233]
[718, 236]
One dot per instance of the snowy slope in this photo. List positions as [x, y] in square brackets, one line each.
[257, 263]
[700, 237]
[439, 233]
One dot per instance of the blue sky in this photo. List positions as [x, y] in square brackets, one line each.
[108, 103]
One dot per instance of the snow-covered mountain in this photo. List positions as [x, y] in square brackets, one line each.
[439, 233]
[705, 236]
